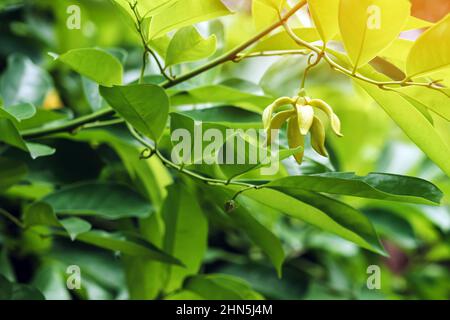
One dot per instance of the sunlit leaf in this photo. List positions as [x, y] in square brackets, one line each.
[186, 234]
[177, 16]
[144, 106]
[325, 15]
[188, 45]
[375, 185]
[369, 26]
[430, 53]
[107, 200]
[95, 64]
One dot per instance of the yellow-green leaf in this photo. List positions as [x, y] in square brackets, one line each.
[185, 13]
[369, 26]
[413, 123]
[431, 52]
[188, 45]
[325, 15]
[266, 12]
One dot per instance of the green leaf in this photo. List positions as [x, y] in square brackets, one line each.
[325, 14]
[320, 211]
[282, 41]
[128, 245]
[26, 292]
[373, 25]
[42, 214]
[186, 234]
[11, 172]
[75, 226]
[243, 218]
[19, 112]
[95, 64]
[375, 186]
[151, 7]
[184, 295]
[266, 12]
[233, 92]
[430, 53]
[37, 150]
[186, 13]
[221, 287]
[413, 123]
[188, 45]
[144, 106]
[24, 82]
[107, 200]
[10, 135]
[431, 99]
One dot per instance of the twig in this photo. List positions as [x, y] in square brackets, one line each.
[381, 84]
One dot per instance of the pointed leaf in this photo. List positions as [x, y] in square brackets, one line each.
[325, 14]
[369, 26]
[188, 45]
[95, 64]
[375, 185]
[144, 106]
[431, 51]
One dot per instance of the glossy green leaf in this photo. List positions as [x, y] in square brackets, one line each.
[152, 7]
[188, 45]
[95, 64]
[233, 92]
[266, 12]
[10, 135]
[177, 16]
[413, 123]
[19, 112]
[24, 82]
[325, 14]
[430, 53]
[322, 212]
[221, 287]
[42, 214]
[243, 217]
[373, 25]
[144, 106]
[375, 185]
[11, 172]
[185, 236]
[107, 200]
[282, 41]
[433, 100]
[126, 245]
[39, 150]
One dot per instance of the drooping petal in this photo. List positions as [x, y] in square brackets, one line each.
[325, 107]
[268, 112]
[305, 116]
[318, 137]
[277, 122]
[295, 138]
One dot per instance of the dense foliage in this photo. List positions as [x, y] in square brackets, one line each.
[94, 204]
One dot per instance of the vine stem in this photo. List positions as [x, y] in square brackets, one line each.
[335, 66]
[11, 218]
[72, 125]
[180, 168]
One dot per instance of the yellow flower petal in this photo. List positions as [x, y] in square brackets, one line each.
[325, 107]
[268, 112]
[305, 116]
[277, 122]
[295, 139]
[318, 137]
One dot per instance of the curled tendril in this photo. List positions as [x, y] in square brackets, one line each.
[146, 154]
